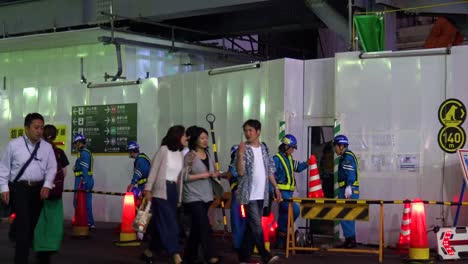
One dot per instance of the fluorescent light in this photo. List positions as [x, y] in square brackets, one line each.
[235, 68]
[112, 84]
[406, 53]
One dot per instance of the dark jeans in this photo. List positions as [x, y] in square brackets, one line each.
[27, 204]
[254, 233]
[200, 231]
[164, 222]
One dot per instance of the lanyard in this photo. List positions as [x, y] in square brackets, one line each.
[30, 153]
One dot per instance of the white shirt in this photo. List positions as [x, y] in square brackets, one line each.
[185, 151]
[42, 168]
[259, 176]
[175, 161]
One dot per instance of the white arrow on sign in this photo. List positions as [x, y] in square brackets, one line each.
[107, 131]
[74, 131]
[107, 120]
[74, 121]
[107, 109]
[106, 141]
[75, 111]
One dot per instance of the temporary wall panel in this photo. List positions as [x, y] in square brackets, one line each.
[47, 81]
[388, 107]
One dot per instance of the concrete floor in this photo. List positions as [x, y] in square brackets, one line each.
[99, 249]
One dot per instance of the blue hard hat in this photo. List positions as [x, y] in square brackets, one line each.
[289, 140]
[340, 140]
[132, 145]
[78, 137]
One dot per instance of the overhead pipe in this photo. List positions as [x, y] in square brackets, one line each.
[406, 53]
[119, 62]
[234, 68]
[112, 84]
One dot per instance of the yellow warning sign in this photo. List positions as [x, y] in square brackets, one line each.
[358, 212]
[451, 138]
[59, 141]
[452, 113]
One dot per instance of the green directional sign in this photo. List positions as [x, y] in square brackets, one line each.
[107, 128]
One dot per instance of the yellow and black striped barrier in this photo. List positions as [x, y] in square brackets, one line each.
[343, 209]
[361, 201]
[359, 212]
[96, 192]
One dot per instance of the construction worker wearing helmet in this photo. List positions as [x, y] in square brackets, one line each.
[348, 183]
[284, 175]
[141, 168]
[84, 174]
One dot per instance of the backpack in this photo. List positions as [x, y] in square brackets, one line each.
[57, 189]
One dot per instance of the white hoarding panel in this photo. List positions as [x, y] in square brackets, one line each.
[388, 109]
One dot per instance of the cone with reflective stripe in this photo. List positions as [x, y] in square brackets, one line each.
[403, 243]
[315, 184]
[419, 245]
[80, 224]
[128, 236]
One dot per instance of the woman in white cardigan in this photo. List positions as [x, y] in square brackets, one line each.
[161, 188]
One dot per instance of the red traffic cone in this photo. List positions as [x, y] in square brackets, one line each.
[403, 243]
[80, 223]
[315, 184]
[128, 236]
[419, 246]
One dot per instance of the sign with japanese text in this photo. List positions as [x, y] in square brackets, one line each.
[107, 128]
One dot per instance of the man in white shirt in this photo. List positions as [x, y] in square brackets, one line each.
[254, 167]
[27, 171]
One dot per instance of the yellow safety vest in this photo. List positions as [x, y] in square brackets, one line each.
[90, 171]
[291, 183]
[355, 183]
[144, 180]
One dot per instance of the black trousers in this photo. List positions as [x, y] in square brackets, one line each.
[27, 204]
[253, 236]
[200, 232]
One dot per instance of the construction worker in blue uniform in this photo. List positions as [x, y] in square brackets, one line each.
[84, 174]
[284, 175]
[238, 218]
[348, 183]
[141, 168]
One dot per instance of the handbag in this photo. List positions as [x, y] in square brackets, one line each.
[143, 217]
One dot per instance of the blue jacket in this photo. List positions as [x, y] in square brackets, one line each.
[281, 174]
[84, 164]
[141, 169]
[348, 170]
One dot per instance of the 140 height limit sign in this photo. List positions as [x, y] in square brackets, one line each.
[107, 128]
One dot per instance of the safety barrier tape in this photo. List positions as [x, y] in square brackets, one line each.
[361, 201]
[96, 192]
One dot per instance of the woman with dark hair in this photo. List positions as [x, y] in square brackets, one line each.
[161, 189]
[198, 196]
[48, 233]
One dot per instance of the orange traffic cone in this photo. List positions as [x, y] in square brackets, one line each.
[403, 243]
[128, 236]
[80, 223]
[269, 227]
[315, 184]
[419, 246]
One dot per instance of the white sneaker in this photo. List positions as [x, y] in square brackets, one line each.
[273, 259]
